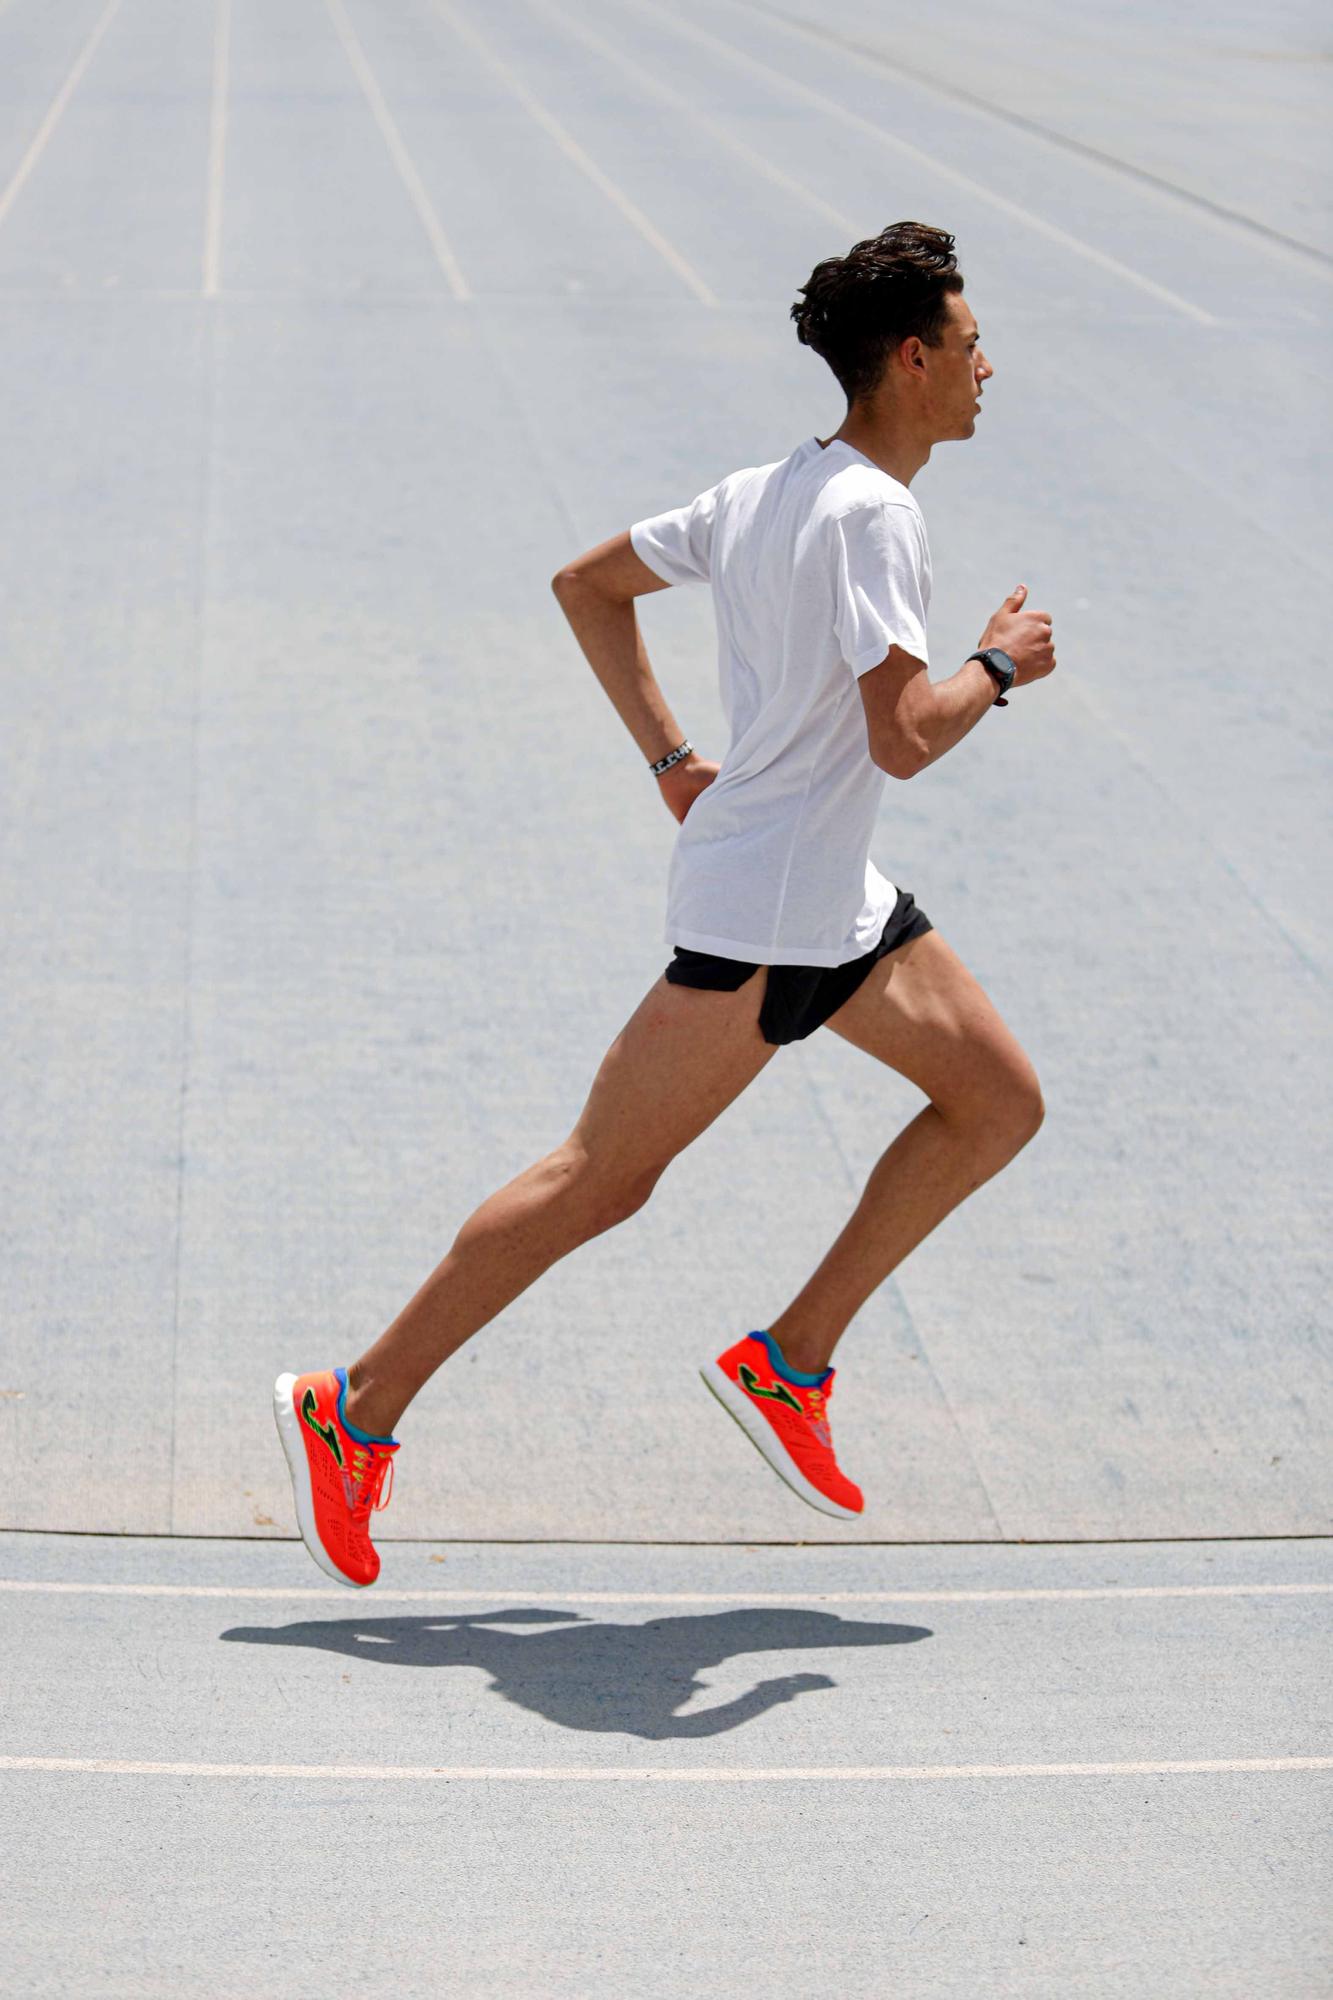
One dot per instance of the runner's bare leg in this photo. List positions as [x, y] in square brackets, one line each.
[921, 1012]
[680, 1060]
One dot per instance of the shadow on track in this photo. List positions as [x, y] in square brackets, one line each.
[584, 1675]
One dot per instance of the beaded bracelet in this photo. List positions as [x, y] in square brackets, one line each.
[673, 757]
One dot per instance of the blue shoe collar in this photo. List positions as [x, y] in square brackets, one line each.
[784, 1368]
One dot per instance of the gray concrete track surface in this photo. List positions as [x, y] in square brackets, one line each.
[333, 328]
[329, 329]
[539, 1771]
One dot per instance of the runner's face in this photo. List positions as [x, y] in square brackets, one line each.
[961, 368]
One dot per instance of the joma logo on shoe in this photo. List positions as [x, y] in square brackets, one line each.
[325, 1431]
[779, 1393]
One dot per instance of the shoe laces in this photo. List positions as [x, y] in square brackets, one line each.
[366, 1480]
[818, 1415]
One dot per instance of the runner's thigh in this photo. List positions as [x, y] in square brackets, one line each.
[680, 1059]
[920, 1011]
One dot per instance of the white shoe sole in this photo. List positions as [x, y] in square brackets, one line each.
[761, 1434]
[293, 1445]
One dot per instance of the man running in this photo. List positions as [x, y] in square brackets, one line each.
[781, 924]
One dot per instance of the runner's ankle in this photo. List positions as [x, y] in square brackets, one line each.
[805, 1358]
[361, 1409]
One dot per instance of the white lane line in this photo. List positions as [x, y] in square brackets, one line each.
[399, 154]
[681, 103]
[667, 1774]
[52, 118]
[1001, 202]
[741, 1597]
[1110, 165]
[572, 150]
[217, 149]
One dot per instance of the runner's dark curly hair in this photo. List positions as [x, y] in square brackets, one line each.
[854, 310]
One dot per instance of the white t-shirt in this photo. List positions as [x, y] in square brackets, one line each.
[818, 564]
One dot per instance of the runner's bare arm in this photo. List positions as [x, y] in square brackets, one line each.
[614, 568]
[910, 719]
[596, 592]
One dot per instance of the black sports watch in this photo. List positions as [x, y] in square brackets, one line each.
[1002, 670]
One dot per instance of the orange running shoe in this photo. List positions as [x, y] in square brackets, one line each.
[785, 1414]
[337, 1472]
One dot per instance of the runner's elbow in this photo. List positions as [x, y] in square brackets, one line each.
[902, 758]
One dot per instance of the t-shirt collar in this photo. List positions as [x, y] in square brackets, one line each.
[833, 443]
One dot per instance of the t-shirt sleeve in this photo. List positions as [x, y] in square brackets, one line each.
[677, 546]
[881, 584]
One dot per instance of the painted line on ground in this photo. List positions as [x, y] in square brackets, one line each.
[572, 150]
[1112, 165]
[217, 149]
[844, 115]
[686, 108]
[552, 1594]
[665, 1774]
[53, 116]
[398, 153]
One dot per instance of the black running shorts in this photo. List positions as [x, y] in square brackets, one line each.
[799, 998]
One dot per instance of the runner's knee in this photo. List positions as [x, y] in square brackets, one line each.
[628, 1199]
[1032, 1109]
[603, 1193]
[1004, 1099]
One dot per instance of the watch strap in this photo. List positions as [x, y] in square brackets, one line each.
[997, 675]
